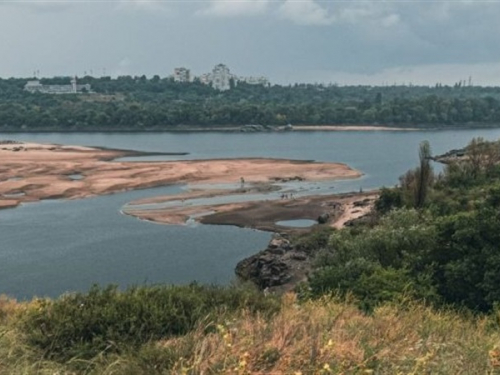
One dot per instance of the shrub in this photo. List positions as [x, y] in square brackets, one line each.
[105, 320]
[313, 241]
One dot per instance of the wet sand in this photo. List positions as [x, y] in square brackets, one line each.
[262, 215]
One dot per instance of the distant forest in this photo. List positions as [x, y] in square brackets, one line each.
[141, 103]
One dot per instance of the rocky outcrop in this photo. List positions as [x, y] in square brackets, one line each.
[450, 156]
[252, 128]
[278, 266]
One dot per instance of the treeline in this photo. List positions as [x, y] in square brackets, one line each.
[140, 103]
[434, 238]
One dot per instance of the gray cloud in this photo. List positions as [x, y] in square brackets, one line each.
[233, 8]
[285, 40]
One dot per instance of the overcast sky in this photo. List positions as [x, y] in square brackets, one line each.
[345, 42]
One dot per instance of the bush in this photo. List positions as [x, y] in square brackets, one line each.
[108, 320]
[313, 241]
[388, 200]
[371, 283]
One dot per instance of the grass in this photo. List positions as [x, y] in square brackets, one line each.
[325, 336]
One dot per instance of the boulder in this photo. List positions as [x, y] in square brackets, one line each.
[271, 267]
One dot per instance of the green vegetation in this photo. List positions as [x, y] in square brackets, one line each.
[437, 238]
[139, 103]
[84, 325]
[324, 336]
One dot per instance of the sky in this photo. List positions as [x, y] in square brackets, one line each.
[372, 42]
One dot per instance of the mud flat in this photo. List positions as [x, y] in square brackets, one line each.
[264, 214]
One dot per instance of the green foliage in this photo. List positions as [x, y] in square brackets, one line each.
[138, 103]
[378, 264]
[371, 283]
[311, 242]
[389, 199]
[107, 320]
[445, 249]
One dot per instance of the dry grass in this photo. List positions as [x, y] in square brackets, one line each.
[328, 336]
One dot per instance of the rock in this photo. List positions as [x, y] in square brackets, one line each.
[264, 269]
[272, 267]
[299, 256]
[279, 242]
[251, 128]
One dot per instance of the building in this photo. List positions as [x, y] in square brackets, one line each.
[73, 88]
[206, 78]
[221, 77]
[182, 75]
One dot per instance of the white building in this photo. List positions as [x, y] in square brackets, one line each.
[73, 88]
[221, 77]
[205, 78]
[182, 75]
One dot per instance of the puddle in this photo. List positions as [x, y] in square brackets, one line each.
[76, 176]
[298, 223]
[14, 195]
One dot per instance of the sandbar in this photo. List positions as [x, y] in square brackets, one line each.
[31, 172]
[341, 209]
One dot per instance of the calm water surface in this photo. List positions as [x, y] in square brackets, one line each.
[56, 246]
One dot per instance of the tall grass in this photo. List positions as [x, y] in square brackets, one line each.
[325, 336]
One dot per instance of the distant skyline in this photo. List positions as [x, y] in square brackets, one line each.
[288, 41]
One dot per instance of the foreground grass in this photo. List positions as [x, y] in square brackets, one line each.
[316, 337]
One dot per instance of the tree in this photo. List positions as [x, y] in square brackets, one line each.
[424, 174]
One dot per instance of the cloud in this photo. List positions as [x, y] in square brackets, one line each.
[305, 12]
[391, 20]
[234, 8]
[150, 6]
[363, 14]
[40, 6]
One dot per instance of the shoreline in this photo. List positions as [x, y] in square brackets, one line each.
[275, 128]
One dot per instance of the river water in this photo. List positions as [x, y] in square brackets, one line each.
[52, 247]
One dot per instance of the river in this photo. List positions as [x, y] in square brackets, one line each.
[52, 247]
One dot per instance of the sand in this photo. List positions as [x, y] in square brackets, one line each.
[349, 128]
[262, 215]
[30, 172]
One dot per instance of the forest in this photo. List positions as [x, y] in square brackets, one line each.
[140, 103]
